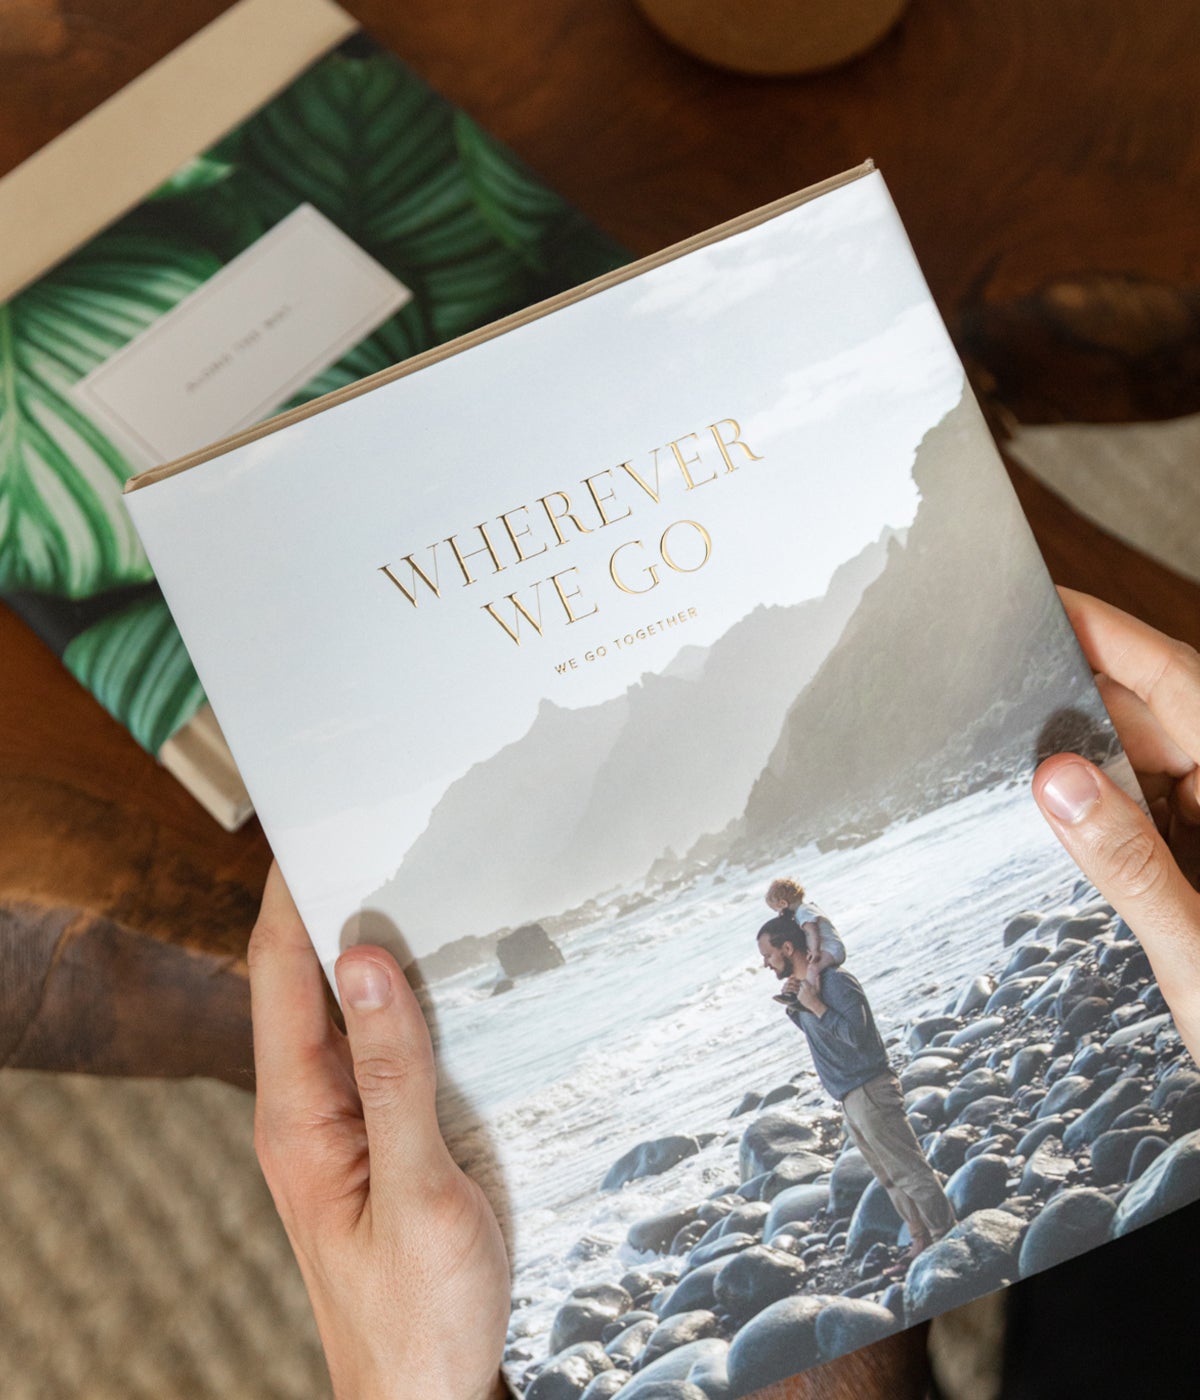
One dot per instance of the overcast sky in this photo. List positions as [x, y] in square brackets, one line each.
[350, 711]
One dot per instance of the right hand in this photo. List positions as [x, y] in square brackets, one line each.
[1151, 686]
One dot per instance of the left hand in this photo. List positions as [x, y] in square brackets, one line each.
[810, 998]
[400, 1252]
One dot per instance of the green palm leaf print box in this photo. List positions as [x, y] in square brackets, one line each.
[467, 232]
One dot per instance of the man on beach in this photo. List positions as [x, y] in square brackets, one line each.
[851, 1062]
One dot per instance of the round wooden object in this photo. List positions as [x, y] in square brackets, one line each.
[773, 36]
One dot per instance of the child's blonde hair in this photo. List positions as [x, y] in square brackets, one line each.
[792, 891]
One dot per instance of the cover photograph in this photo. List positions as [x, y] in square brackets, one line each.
[660, 674]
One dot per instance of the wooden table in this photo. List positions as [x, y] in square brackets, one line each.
[1046, 160]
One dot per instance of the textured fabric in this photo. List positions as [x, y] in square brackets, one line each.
[878, 1128]
[845, 1044]
[140, 1255]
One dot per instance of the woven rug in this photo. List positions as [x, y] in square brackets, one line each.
[140, 1253]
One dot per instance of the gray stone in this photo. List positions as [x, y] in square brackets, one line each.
[695, 1289]
[706, 1251]
[799, 1169]
[605, 1385]
[974, 995]
[677, 1331]
[585, 1314]
[757, 1278]
[1086, 1015]
[847, 1324]
[978, 1185]
[926, 1103]
[874, 1220]
[797, 1203]
[1125, 1093]
[1027, 1064]
[1021, 924]
[1075, 1220]
[1177, 1082]
[1185, 1114]
[977, 1031]
[978, 1256]
[923, 1031]
[774, 1135]
[649, 1159]
[851, 1177]
[701, 1363]
[655, 1232]
[1112, 1153]
[985, 1112]
[780, 1094]
[1026, 956]
[1140, 1030]
[625, 1348]
[778, 1342]
[974, 1085]
[567, 1374]
[1046, 1169]
[1147, 1151]
[1041, 1130]
[928, 1071]
[1011, 993]
[1171, 1180]
[528, 949]
[1070, 1092]
[949, 1152]
[749, 1102]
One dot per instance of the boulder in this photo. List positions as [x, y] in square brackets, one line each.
[1124, 1094]
[1011, 993]
[974, 995]
[851, 1177]
[585, 1314]
[978, 1030]
[694, 1290]
[774, 1135]
[1070, 1092]
[797, 1203]
[605, 1385]
[928, 1071]
[677, 1331]
[1019, 925]
[922, 1032]
[973, 1085]
[566, 1375]
[1140, 1030]
[1185, 1114]
[749, 1102]
[849, 1323]
[1026, 956]
[1054, 1126]
[874, 1221]
[757, 1278]
[1171, 1180]
[1112, 1153]
[775, 1344]
[978, 1184]
[797, 1170]
[627, 1346]
[985, 1112]
[780, 1094]
[744, 1219]
[949, 1152]
[655, 1233]
[1147, 1151]
[1046, 1169]
[1074, 1221]
[700, 1364]
[1086, 1015]
[717, 1248]
[978, 1256]
[1028, 1063]
[528, 949]
[1171, 1086]
[649, 1159]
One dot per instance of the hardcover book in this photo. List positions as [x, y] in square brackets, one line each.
[307, 212]
[660, 673]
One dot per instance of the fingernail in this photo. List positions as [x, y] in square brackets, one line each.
[1071, 793]
[365, 986]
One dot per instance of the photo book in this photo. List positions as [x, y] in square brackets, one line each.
[147, 307]
[659, 672]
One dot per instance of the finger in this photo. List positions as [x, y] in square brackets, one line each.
[394, 1067]
[294, 1056]
[1116, 846]
[1162, 672]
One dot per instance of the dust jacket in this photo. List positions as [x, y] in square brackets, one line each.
[147, 307]
[551, 655]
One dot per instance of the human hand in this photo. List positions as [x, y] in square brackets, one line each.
[1151, 686]
[810, 998]
[792, 986]
[400, 1252]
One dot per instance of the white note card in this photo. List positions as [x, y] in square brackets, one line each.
[239, 346]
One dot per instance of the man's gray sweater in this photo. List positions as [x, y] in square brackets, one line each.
[846, 1047]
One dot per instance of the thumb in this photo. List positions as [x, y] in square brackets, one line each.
[394, 1069]
[1118, 848]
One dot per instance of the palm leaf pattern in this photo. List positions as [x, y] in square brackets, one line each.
[414, 182]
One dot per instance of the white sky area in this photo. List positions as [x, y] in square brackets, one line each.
[350, 712]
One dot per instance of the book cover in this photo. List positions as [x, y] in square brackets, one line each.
[550, 656]
[326, 216]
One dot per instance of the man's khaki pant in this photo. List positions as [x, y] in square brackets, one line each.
[878, 1128]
